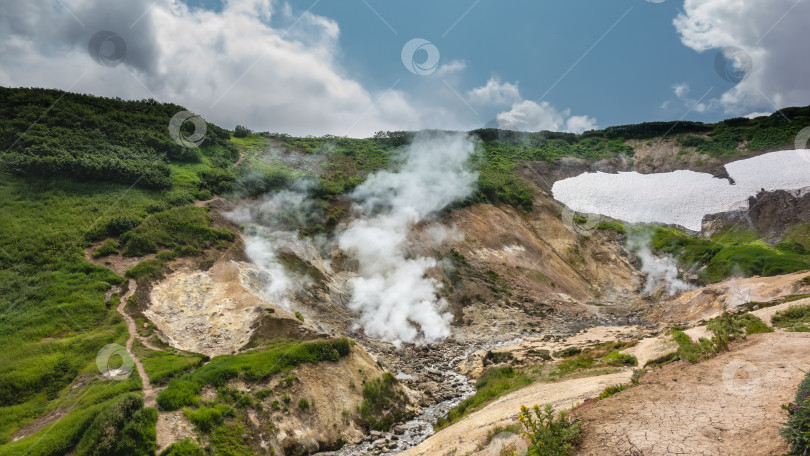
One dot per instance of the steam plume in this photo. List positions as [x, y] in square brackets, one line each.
[661, 271]
[392, 295]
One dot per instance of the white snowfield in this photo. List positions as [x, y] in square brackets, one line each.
[683, 197]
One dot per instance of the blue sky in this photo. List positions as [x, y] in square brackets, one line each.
[328, 66]
[626, 78]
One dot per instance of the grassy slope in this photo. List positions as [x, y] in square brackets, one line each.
[734, 253]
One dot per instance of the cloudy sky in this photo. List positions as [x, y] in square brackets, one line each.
[353, 67]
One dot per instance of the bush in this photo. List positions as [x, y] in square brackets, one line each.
[217, 180]
[183, 447]
[151, 269]
[796, 430]
[545, 355]
[384, 403]
[617, 358]
[241, 132]
[208, 418]
[179, 227]
[497, 358]
[123, 428]
[109, 247]
[121, 225]
[549, 435]
[251, 366]
[794, 318]
[303, 403]
[611, 390]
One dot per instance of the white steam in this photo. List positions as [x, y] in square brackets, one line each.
[392, 295]
[268, 222]
[661, 271]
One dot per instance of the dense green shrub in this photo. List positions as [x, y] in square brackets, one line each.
[727, 255]
[183, 447]
[549, 435]
[217, 180]
[120, 225]
[384, 403]
[617, 358]
[611, 390]
[208, 418]
[251, 366]
[794, 318]
[241, 132]
[174, 228]
[124, 428]
[109, 247]
[151, 269]
[303, 403]
[796, 430]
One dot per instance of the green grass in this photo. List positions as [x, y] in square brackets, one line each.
[251, 366]
[612, 226]
[109, 247]
[161, 366]
[727, 254]
[612, 390]
[794, 318]
[796, 430]
[206, 418]
[179, 227]
[54, 310]
[183, 447]
[549, 433]
[725, 329]
[384, 403]
[493, 383]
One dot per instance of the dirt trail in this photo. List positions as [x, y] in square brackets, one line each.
[469, 435]
[727, 405]
[149, 394]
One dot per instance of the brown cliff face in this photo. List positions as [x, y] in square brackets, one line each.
[771, 214]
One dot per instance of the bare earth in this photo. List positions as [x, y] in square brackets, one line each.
[727, 405]
[469, 434]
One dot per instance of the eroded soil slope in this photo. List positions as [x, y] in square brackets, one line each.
[728, 405]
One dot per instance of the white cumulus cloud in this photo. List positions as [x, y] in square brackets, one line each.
[230, 66]
[770, 32]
